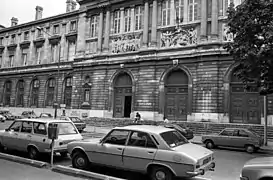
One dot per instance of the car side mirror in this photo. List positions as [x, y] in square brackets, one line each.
[101, 141]
[7, 129]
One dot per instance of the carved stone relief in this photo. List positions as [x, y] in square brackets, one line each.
[125, 43]
[178, 37]
[227, 37]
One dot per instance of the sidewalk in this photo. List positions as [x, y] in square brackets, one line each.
[102, 131]
[13, 171]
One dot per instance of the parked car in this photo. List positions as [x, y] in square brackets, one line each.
[186, 132]
[234, 137]
[154, 150]
[31, 136]
[258, 169]
[81, 125]
[7, 115]
[28, 114]
[45, 115]
[2, 118]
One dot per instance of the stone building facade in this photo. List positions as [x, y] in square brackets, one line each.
[115, 58]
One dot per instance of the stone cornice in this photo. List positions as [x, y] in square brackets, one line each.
[12, 47]
[25, 44]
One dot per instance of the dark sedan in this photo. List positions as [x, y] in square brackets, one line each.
[81, 125]
[186, 132]
[7, 115]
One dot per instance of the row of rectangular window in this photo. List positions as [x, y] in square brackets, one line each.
[56, 30]
[39, 55]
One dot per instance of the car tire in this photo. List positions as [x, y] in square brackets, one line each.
[209, 144]
[250, 149]
[80, 161]
[33, 153]
[161, 173]
[80, 131]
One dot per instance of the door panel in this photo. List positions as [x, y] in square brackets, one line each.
[237, 108]
[182, 107]
[253, 110]
[119, 101]
[140, 156]
[171, 107]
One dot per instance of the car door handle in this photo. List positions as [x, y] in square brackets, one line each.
[120, 149]
[28, 135]
[16, 134]
[150, 152]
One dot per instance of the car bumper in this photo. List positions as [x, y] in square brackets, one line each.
[201, 171]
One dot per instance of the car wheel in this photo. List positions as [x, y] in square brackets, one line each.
[161, 173]
[209, 144]
[80, 160]
[80, 131]
[250, 148]
[33, 153]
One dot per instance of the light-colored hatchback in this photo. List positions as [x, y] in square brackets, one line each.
[31, 135]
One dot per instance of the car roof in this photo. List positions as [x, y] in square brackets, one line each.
[42, 120]
[235, 129]
[146, 128]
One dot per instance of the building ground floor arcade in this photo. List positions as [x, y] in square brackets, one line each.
[184, 91]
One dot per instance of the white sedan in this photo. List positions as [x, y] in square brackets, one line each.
[2, 118]
[160, 152]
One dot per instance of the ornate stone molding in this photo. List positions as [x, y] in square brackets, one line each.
[12, 47]
[178, 37]
[25, 44]
[125, 43]
[71, 36]
[39, 42]
[2, 49]
[54, 39]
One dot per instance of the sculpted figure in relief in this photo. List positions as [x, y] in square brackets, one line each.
[126, 43]
[179, 37]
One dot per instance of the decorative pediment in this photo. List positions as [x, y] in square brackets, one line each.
[12, 47]
[25, 44]
[71, 36]
[178, 37]
[87, 85]
[39, 42]
[2, 49]
[54, 39]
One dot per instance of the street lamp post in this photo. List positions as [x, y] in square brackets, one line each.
[58, 75]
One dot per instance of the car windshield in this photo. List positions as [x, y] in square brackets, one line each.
[173, 138]
[253, 132]
[66, 128]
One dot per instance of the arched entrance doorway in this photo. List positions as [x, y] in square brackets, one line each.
[244, 104]
[176, 95]
[122, 95]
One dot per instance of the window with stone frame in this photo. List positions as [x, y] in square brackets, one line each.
[86, 95]
[26, 36]
[20, 93]
[68, 91]
[25, 57]
[11, 61]
[13, 39]
[7, 95]
[94, 25]
[35, 92]
[179, 10]
[50, 92]
[39, 54]
[209, 8]
[73, 26]
[166, 12]
[138, 17]
[1, 41]
[117, 19]
[193, 10]
[127, 20]
[71, 50]
[54, 53]
[56, 29]
[39, 33]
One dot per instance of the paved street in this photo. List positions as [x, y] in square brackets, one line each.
[14, 171]
[228, 163]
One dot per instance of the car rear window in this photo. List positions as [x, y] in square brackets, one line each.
[66, 128]
[173, 138]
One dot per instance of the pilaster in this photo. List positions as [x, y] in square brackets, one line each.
[81, 35]
[64, 43]
[100, 30]
[173, 18]
[214, 20]
[154, 25]
[146, 24]
[133, 23]
[121, 20]
[107, 31]
[185, 12]
[203, 34]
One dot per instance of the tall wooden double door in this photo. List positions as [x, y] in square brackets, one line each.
[122, 102]
[176, 103]
[244, 107]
